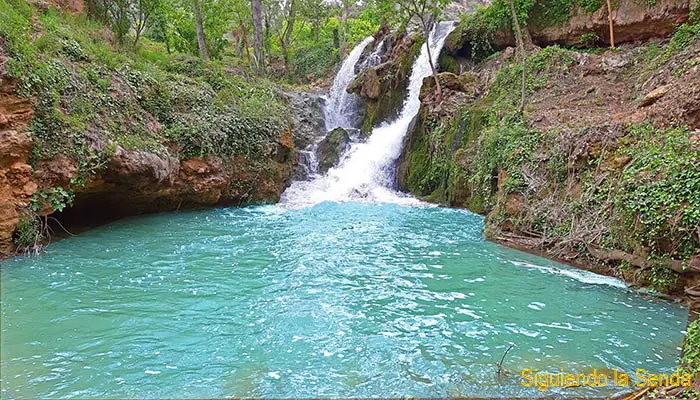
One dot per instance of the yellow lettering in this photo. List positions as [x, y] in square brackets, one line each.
[653, 380]
[675, 379]
[570, 380]
[527, 377]
[641, 374]
[685, 380]
[542, 383]
[602, 379]
[621, 379]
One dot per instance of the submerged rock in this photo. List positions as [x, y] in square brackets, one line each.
[332, 148]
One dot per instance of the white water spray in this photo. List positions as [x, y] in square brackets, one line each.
[366, 172]
[341, 109]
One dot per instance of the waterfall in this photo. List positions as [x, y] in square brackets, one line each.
[341, 109]
[367, 171]
[375, 58]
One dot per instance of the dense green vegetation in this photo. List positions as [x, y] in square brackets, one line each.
[691, 352]
[91, 97]
[79, 82]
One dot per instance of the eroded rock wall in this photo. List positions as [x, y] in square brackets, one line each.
[16, 182]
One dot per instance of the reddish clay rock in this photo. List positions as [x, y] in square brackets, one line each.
[633, 21]
[15, 183]
[57, 171]
[15, 113]
[15, 174]
[203, 181]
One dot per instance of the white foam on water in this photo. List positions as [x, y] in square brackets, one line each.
[579, 275]
[366, 172]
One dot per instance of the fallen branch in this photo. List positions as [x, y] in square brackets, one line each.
[642, 262]
[499, 365]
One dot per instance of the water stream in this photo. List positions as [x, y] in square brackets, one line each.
[341, 109]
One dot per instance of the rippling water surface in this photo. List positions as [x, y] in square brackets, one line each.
[349, 300]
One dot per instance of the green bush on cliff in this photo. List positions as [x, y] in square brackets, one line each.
[691, 349]
[549, 63]
[659, 191]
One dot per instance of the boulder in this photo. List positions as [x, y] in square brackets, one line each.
[332, 148]
[308, 120]
[653, 96]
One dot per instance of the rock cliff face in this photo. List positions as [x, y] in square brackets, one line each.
[633, 21]
[136, 182]
[382, 87]
[16, 183]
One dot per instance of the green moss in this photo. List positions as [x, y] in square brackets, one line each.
[448, 63]
[691, 349]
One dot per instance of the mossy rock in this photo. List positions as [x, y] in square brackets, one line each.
[332, 148]
[459, 83]
[385, 92]
[448, 63]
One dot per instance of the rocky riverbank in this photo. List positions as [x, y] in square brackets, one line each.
[600, 171]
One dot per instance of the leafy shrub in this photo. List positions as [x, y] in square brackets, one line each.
[317, 60]
[659, 191]
[691, 349]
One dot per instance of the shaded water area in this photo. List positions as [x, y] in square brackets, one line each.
[351, 300]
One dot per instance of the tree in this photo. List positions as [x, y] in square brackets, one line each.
[610, 23]
[345, 13]
[427, 13]
[143, 11]
[201, 39]
[285, 34]
[316, 12]
[521, 54]
[119, 14]
[257, 13]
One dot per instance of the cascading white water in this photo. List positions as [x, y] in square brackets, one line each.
[341, 109]
[376, 56]
[366, 171]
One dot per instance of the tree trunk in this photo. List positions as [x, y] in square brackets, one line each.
[344, 29]
[244, 31]
[521, 52]
[258, 37]
[201, 40]
[610, 22]
[288, 32]
[438, 89]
